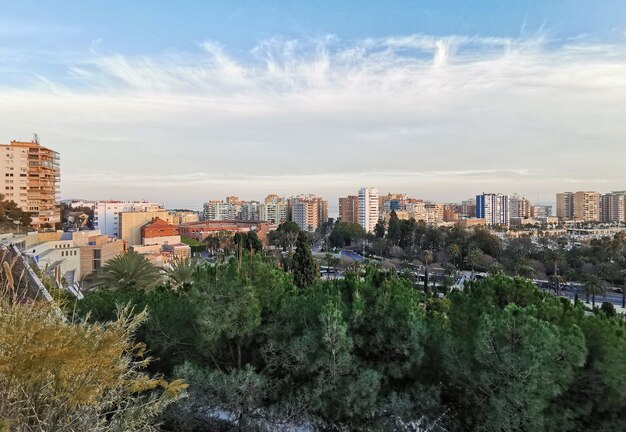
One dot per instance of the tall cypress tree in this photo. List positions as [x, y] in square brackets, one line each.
[305, 269]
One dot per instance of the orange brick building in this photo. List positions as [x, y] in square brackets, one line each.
[158, 228]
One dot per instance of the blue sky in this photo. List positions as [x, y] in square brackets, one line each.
[440, 99]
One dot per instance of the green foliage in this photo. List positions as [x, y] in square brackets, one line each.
[249, 241]
[10, 212]
[58, 375]
[345, 234]
[285, 236]
[371, 353]
[128, 270]
[304, 267]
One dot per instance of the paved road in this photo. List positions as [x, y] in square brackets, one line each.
[352, 255]
[570, 293]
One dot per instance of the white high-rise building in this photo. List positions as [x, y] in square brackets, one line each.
[275, 213]
[368, 208]
[494, 208]
[106, 214]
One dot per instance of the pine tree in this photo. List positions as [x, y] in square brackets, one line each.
[305, 269]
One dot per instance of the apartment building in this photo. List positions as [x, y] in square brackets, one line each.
[519, 207]
[216, 210]
[434, 213]
[131, 222]
[494, 208]
[107, 214]
[178, 217]
[613, 207]
[30, 176]
[273, 212]
[308, 211]
[369, 208]
[565, 205]
[587, 206]
[349, 209]
[581, 206]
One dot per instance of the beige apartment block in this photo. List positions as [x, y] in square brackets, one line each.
[587, 206]
[131, 223]
[30, 176]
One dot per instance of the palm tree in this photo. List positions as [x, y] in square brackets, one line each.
[128, 270]
[593, 285]
[455, 251]
[472, 259]
[180, 273]
[427, 258]
[524, 270]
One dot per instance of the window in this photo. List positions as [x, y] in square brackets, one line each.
[97, 259]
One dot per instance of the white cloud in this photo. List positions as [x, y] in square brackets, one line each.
[441, 118]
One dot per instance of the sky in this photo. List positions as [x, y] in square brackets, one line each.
[180, 102]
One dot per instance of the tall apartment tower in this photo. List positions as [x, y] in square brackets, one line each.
[494, 208]
[368, 208]
[349, 209]
[519, 207]
[308, 211]
[30, 175]
[587, 206]
[565, 205]
[274, 209]
[613, 207]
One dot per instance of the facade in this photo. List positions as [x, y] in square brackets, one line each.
[519, 207]
[30, 176]
[613, 207]
[565, 205]
[369, 208]
[249, 211]
[107, 214]
[308, 211]
[216, 210]
[273, 212]
[349, 209]
[587, 206]
[434, 213]
[541, 212]
[494, 208]
[131, 222]
[581, 206]
[158, 229]
[178, 217]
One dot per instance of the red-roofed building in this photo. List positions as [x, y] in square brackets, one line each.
[158, 228]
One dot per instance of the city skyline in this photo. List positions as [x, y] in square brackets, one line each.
[440, 101]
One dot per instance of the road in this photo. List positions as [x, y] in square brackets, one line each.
[570, 293]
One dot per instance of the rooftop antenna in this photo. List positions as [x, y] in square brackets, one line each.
[36, 138]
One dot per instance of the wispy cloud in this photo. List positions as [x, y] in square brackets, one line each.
[438, 116]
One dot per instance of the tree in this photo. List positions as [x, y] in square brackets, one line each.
[305, 269]
[380, 228]
[180, 273]
[623, 276]
[593, 285]
[56, 374]
[455, 252]
[393, 228]
[427, 258]
[248, 241]
[473, 257]
[129, 269]
[285, 236]
[345, 234]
